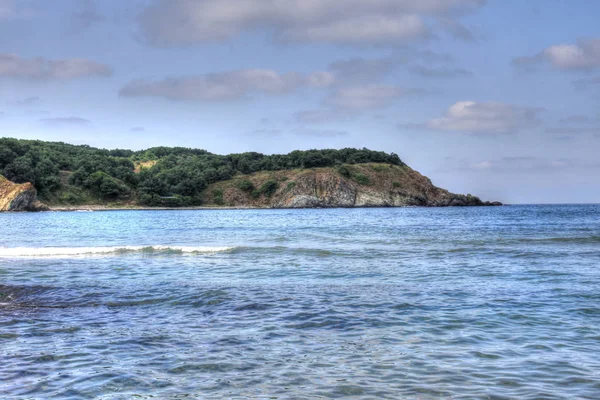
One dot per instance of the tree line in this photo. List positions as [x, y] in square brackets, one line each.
[174, 176]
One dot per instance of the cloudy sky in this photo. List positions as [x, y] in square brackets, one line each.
[499, 98]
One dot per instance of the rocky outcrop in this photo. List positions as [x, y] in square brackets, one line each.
[321, 189]
[362, 185]
[19, 197]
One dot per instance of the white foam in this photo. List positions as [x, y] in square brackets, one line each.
[83, 251]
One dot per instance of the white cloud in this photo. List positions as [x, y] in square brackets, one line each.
[584, 55]
[363, 97]
[470, 116]
[13, 66]
[321, 79]
[226, 86]
[363, 30]
[483, 165]
[356, 22]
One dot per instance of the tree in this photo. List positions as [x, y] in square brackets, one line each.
[20, 170]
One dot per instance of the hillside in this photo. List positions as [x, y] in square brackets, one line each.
[360, 185]
[66, 175]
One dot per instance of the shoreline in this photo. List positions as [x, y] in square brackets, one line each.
[192, 208]
[144, 208]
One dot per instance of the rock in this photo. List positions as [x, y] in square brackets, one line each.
[19, 197]
[381, 185]
[317, 190]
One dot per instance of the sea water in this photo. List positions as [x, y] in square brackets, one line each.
[416, 303]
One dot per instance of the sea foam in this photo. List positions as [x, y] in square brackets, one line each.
[89, 251]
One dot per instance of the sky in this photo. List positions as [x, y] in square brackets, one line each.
[497, 98]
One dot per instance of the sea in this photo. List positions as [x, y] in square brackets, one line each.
[378, 303]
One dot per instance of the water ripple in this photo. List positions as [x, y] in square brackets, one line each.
[396, 303]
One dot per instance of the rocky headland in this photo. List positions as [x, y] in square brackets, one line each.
[19, 197]
[360, 185]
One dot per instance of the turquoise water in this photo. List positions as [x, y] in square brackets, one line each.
[418, 303]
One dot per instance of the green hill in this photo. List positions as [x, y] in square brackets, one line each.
[65, 174]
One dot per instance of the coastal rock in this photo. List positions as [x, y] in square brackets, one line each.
[19, 197]
[360, 185]
[317, 190]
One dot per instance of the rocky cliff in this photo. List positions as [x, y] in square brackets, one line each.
[361, 185]
[15, 197]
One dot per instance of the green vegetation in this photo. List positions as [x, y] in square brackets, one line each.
[344, 171]
[290, 186]
[361, 178]
[218, 197]
[269, 187]
[171, 176]
[246, 185]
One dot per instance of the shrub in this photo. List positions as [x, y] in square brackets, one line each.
[362, 179]
[269, 187]
[218, 197]
[174, 201]
[148, 199]
[106, 186]
[343, 171]
[396, 185]
[71, 197]
[290, 186]
[255, 194]
[246, 185]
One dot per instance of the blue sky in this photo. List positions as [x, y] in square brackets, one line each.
[495, 98]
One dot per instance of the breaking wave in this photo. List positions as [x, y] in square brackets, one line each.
[90, 251]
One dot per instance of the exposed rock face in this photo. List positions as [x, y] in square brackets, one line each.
[317, 190]
[363, 185]
[19, 197]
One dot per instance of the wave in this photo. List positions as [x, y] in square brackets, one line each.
[87, 251]
[586, 239]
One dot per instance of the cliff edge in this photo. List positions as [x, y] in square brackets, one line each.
[19, 197]
[359, 185]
